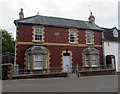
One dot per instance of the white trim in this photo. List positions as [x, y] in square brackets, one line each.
[38, 61]
[74, 33]
[39, 34]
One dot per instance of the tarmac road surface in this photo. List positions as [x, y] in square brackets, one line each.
[75, 84]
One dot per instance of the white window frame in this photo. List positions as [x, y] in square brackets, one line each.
[39, 34]
[93, 60]
[115, 33]
[35, 66]
[89, 36]
[87, 59]
[28, 61]
[73, 36]
[90, 59]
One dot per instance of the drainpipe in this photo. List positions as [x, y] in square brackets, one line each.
[15, 64]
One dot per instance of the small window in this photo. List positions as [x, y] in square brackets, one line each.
[38, 34]
[89, 37]
[115, 33]
[73, 36]
[37, 61]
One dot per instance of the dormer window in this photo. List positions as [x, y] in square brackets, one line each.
[73, 36]
[115, 33]
[38, 34]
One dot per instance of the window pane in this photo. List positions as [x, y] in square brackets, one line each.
[37, 65]
[38, 34]
[37, 61]
[86, 60]
[94, 60]
[89, 37]
[73, 36]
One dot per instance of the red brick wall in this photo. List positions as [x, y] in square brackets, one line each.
[21, 54]
[55, 54]
[98, 38]
[51, 38]
[81, 36]
[25, 35]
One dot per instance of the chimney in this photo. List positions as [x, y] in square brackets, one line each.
[91, 18]
[21, 14]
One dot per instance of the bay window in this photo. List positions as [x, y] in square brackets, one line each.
[91, 60]
[91, 57]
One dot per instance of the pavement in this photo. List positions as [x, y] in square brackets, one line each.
[70, 84]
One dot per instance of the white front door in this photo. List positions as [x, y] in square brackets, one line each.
[66, 60]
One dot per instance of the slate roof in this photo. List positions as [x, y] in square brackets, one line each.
[108, 34]
[58, 22]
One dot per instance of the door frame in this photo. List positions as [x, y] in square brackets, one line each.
[71, 59]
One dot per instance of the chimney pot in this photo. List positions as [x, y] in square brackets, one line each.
[91, 18]
[21, 14]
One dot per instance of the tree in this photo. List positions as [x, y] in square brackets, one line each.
[8, 43]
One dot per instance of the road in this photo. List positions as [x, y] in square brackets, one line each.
[80, 84]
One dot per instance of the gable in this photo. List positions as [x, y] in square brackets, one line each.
[111, 34]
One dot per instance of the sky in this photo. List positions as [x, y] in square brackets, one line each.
[105, 11]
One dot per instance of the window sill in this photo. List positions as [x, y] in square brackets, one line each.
[72, 43]
[38, 41]
[90, 43]
[87, 66]
[38, 69]
[93, 66]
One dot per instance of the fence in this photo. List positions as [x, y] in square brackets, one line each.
[101, 67]
[7, 71]
[74, 69]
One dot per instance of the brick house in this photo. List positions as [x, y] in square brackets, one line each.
[51, 43]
